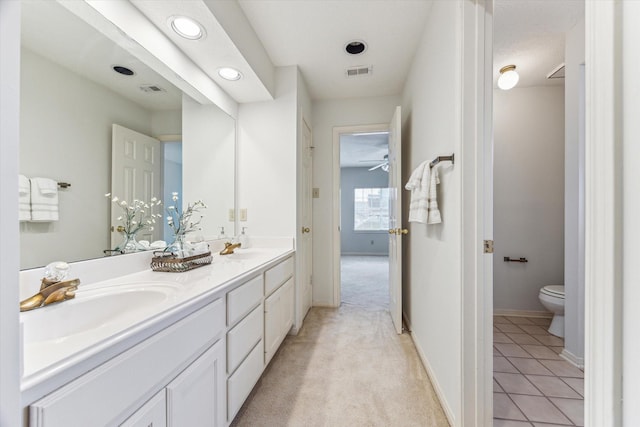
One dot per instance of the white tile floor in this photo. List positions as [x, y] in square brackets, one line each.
[532, 384]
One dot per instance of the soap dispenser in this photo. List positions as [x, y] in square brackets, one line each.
[243, 239]
[222, 235]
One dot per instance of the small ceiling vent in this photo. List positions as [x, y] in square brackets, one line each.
[151, 88]
[557, 73]
[359, 71]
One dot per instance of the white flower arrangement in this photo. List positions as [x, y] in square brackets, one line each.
[136, 216]
[181, 222]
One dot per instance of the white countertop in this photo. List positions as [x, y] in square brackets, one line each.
[50, 361]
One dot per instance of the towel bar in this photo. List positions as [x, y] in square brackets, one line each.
[508, 259]
[441, 159]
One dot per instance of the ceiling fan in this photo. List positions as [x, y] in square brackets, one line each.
[384, 165]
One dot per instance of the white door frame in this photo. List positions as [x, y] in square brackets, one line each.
[603, 207]
[335, 206]
[603, 219]
[477, 214]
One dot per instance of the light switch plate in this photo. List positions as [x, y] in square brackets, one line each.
[232, 215]
[316, 193]
[243, 214]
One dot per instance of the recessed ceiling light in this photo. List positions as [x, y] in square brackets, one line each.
[355, 47]
[187, 27]
[123, 70]
[229, 73]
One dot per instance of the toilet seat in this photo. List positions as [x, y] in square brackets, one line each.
[556, 291]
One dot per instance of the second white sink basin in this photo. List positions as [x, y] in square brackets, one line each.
[93, 309]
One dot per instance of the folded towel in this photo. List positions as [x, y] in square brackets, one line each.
[24, 198]
[44, 199]
[423, 207]
[433, 211]
[158, 244]
[418, 184]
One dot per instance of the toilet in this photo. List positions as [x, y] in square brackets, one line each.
[552, 298]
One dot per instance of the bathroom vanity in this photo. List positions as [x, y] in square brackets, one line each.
[189, 358]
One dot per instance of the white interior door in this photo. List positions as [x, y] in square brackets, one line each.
[395, 221]
[135, 174]
[306, 236]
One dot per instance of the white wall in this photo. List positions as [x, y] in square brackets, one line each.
[574, 231]
[10, 353]
[208, 158]
[267, 140]
[65, 125]
[528, 194]
[328, 114]
[432, 254]
[360, 242]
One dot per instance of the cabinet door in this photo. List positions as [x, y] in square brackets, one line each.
[197, 396]
[151, 414]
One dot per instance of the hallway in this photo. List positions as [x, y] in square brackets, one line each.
[347, 366]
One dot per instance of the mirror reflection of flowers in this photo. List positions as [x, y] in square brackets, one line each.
[136, 216]
[183, 222]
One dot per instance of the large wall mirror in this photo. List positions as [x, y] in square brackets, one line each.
[71, 98]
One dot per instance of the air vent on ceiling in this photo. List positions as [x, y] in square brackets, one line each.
[151, 88]
[359, 71]
[557, 73]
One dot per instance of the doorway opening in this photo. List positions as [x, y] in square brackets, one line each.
[364, 219]
[538, 217]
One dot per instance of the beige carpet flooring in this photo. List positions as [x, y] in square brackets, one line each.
[347, 366]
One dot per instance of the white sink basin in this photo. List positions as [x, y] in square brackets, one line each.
[93, 309]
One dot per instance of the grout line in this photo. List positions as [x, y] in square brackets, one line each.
[553, 374]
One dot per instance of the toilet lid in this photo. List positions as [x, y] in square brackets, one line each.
[554, 290]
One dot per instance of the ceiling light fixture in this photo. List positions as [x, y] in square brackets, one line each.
[186, 27]
[229, 73]
[355, 47]
[508, 77]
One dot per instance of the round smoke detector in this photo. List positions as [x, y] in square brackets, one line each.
[355, 47]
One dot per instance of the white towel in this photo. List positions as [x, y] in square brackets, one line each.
[24, 198]
[418, 184]
[433, 211]
[44, 199]
[423, 207]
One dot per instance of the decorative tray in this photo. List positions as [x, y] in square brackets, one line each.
[170, 263]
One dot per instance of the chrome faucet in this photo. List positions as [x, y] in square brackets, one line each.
[50, 292]
[229, 247]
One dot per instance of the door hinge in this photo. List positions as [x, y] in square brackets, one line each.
[488, 246]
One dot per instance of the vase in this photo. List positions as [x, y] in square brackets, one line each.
[129, 244]
[179, 246]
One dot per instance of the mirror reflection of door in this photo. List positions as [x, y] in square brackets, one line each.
[136, 170]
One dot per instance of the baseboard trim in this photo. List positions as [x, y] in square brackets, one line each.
[522, 313]
[434, 382]
[576, 361]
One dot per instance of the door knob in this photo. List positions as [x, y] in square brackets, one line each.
[120, 229]
[402, 231]
[392, 231]
[306, 230]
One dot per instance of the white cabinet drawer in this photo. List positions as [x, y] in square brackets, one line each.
[242, 300]
[239, 384]
[151, 414]
[276, 276]
[243, 337]
[82, 402]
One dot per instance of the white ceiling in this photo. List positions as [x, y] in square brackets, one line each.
[312, 34]
[531, 34]
[55, 33]
[209, 53]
